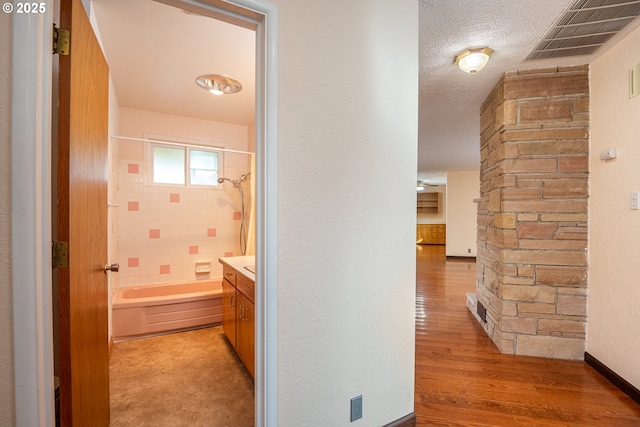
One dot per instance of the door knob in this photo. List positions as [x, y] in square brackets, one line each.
[111, 267]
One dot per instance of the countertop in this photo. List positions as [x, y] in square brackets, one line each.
[239, 263]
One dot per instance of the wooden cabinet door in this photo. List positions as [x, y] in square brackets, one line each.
[245, 328]
[229, 311]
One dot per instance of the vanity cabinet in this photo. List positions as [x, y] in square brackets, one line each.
[245, 326]
[238, 314]
[229, 306]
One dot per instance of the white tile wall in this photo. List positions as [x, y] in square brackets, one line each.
[183, 226]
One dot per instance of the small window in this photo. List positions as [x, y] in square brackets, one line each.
[168, 165]
[203, 167]
[188, 166]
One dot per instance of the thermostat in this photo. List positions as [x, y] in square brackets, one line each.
[608, 154]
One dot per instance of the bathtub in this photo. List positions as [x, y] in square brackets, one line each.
[154, 309]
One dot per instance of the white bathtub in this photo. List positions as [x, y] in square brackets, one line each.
[154, 309]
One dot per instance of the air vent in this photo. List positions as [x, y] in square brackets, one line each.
[586, 26]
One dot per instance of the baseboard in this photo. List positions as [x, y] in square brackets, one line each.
[461, 258]
[406, 421]
[616, 379]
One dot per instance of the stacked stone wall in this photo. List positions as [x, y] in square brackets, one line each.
[532, 214]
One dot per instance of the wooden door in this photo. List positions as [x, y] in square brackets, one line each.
[82, 222]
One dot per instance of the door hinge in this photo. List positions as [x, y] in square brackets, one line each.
[60, 254]
[61, 40]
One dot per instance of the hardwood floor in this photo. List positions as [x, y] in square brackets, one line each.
[462, 379]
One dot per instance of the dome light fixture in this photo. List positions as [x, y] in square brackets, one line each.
[473, 60]
[218, 85]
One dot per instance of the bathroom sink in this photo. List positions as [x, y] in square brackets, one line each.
[251, 268]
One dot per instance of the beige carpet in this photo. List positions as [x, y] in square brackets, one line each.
[187, 379]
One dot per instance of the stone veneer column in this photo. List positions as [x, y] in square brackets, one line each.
[532, 214]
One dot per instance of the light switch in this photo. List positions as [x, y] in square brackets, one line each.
[634, 81]
[635, 200]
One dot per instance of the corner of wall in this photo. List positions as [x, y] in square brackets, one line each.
[7, 396]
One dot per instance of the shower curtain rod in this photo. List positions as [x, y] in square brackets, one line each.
[182, 144]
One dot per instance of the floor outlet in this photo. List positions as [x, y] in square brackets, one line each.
[356, 408]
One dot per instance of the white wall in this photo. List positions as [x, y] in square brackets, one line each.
[6, 313]
[462, 213]
[135, 123]
[347, 230]
[613, 316]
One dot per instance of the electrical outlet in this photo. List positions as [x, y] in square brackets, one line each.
[356, 408]
[469, 250]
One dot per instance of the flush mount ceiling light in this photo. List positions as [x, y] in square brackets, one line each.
[218, 85]
[473, 60]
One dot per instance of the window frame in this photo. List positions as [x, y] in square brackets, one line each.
[186, 167]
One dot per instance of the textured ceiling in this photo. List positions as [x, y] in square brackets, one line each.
[155, 52]
[449, 98]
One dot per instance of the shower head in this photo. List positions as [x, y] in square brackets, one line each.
[233, 182]
[244, 177]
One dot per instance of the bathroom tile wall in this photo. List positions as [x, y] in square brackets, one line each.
[165, 229]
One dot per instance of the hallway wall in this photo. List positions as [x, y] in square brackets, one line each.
[613, 315]
[463, 187]
[346, 303]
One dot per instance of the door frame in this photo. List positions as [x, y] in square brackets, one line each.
[31, 219]
[31, 210]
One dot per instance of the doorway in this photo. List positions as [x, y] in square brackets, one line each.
[155, 51]
[34, 375]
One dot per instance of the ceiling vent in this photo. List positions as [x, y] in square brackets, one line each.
[586, 26]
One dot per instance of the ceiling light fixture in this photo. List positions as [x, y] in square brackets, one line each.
[218, 85]
[473, 60]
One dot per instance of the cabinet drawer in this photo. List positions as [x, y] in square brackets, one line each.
[246, 286]
[229, 274]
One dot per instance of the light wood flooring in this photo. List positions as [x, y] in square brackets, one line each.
[462, 379]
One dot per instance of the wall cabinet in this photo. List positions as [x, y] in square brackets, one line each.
[428, 203]
[238, 314]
